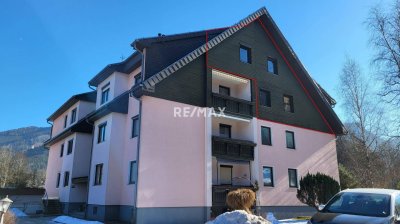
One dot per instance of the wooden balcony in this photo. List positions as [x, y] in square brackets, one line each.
[227, 148]
[232, 105]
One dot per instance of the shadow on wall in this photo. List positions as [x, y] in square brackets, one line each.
[322, 160]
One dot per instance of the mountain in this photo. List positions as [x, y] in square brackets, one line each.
[29, 141]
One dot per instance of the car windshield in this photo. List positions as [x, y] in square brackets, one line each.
[365, 204]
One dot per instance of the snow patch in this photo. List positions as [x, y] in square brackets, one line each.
[292, 221]
[17, 212]
[71, 220]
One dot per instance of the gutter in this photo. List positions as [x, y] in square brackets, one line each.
[135, 193]
[90, 169]
[51, 130]
[91, 87]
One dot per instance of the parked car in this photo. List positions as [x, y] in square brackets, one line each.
[360, 206]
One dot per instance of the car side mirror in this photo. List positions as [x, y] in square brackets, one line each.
[321, 207]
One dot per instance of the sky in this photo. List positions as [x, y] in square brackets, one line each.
[50, 49]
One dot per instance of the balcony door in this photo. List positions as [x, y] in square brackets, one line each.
[225, 175]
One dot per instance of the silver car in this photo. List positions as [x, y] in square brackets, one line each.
[360, 206]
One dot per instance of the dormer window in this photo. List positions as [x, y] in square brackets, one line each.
[105, 92]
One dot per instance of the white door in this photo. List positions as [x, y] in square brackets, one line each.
[225, 175]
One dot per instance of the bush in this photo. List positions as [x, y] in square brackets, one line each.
[347, 179]
[317, 189]
[9, 218]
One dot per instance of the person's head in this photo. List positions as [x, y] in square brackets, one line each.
[241, 199]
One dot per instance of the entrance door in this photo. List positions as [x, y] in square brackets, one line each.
[225, 173]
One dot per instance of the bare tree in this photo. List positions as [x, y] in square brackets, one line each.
[385, 37]
[360, 147]
[14, 169]
[6, 174]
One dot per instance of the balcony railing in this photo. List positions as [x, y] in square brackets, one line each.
[227, 148]
[232, 105]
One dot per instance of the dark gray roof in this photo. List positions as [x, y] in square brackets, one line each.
[127, 66]
[164, 50]
[118, 105]
[316, 93]
[146, 42]
[81, 126]
[88, 97]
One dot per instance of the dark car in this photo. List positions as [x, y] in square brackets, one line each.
[360, 206]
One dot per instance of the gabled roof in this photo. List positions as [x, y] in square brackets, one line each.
[156, 78]
[314, 91]
[88, 97]
[126, 66]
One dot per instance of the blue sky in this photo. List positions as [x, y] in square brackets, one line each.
[49, 49]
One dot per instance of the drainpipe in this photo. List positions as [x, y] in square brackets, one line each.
[90, 169]
[51, 130]
[92, 87]
[135, 193]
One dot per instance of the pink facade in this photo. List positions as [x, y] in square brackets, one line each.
[315, 152]
[83, 108]
[135, 157]
[172, 157]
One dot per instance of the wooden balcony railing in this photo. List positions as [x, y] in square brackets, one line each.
[232, 105]
[227, 148]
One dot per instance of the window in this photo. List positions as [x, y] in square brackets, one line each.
[272, 66]
[70, 145]
[73, 116]
[225, 130]
[138, 78]
[101, 137]
[268, 176]
[290, 140]
[288, 103]
[135, 127]
[266, 136]
[265, 98]
[65, 121]
[66, 179]
[62, 150]
[132, 172]
[397, 206]
[225, 175]
[98, 175]
[245, 54]
[223, 90]
[105, 91]
[58, 180]
[292, 177]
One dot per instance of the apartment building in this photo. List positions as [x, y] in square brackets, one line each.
[185, 119]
